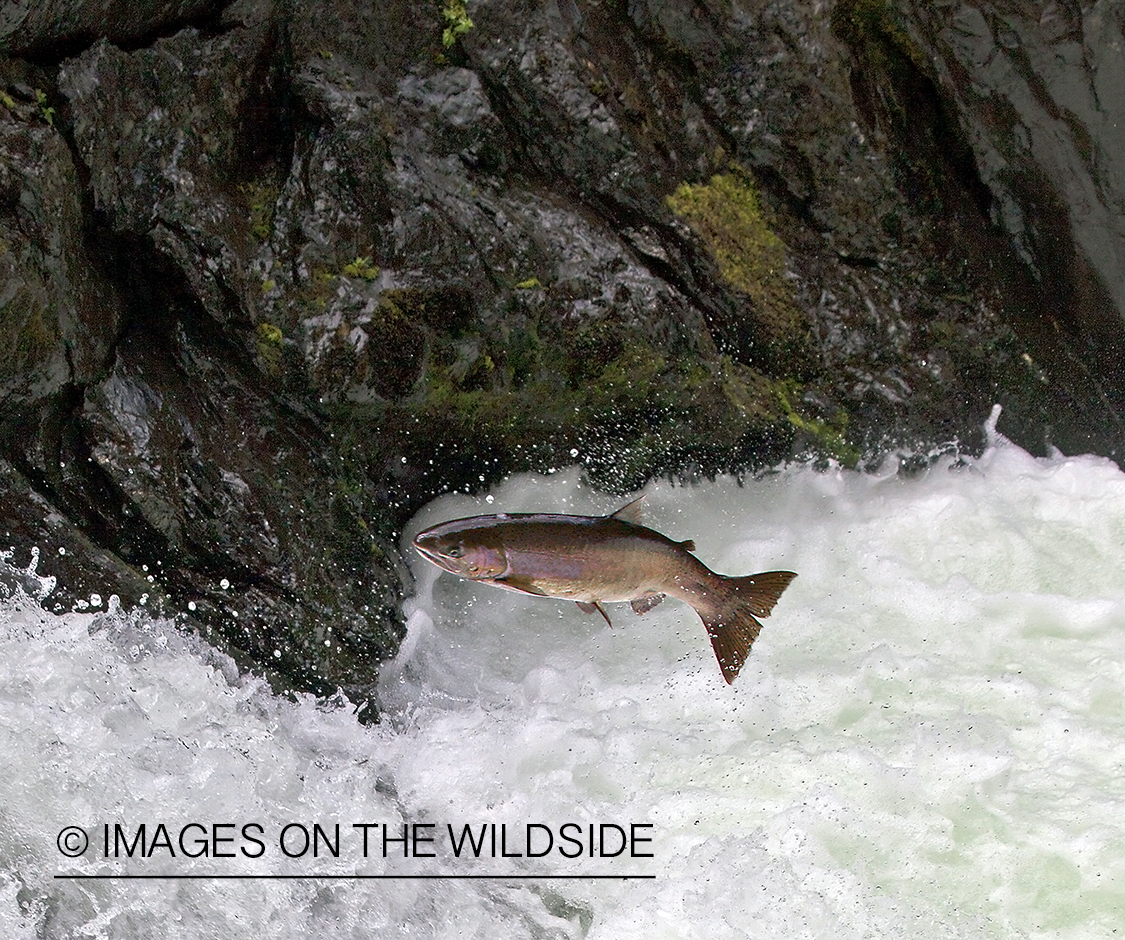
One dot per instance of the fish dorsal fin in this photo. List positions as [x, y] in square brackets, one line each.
[630, 512]
[688, 544]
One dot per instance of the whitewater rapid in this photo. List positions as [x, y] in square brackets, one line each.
[926, 742]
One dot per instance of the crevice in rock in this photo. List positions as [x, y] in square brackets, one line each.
[271, 113]
[65, 472]
[1062, 316]
[51, 52]
[900, 103]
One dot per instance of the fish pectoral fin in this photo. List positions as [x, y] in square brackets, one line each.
[588, 607]
[642, 605]
[521, 584]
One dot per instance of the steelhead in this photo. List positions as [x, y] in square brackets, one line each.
[602, 559]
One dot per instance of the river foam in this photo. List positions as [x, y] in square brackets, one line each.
[925, 743]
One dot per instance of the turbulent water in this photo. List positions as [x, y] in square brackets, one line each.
[927, 741]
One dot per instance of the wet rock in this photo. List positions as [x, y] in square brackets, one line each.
[58, 316]
[39, 28]
[271, 286]
[161, 131]
[169, 444]
[263, 543]
[1005, 108]
[82, 569]
[1049, 149]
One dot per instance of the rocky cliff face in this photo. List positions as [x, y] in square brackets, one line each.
[1036, 90]
[275, 273]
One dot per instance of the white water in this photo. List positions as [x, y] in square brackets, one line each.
[927, 741]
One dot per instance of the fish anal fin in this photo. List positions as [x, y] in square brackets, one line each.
[589, 607]
[642, 605]
[631, 511]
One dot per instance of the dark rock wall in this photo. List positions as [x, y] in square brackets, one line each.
[1039, 96]
[276, 273]
[34, 29]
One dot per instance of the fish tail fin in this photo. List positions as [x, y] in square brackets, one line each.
[731, 615]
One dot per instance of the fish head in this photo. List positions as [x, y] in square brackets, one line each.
[462, 551]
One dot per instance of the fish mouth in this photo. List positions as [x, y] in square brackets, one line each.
[425, 545]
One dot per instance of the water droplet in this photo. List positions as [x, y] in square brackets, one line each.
[224, 584]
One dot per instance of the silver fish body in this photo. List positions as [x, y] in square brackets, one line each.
[602, 559]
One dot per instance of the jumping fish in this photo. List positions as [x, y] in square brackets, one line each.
[603, 559]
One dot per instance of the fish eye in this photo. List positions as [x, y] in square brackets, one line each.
[455, 551]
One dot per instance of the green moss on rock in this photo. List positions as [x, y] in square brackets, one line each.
[261, 200]
[726, 214]
[602, 395]
[828, 437]
[361, 267]
[457, 22]
[877, 25]
[268, 345]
